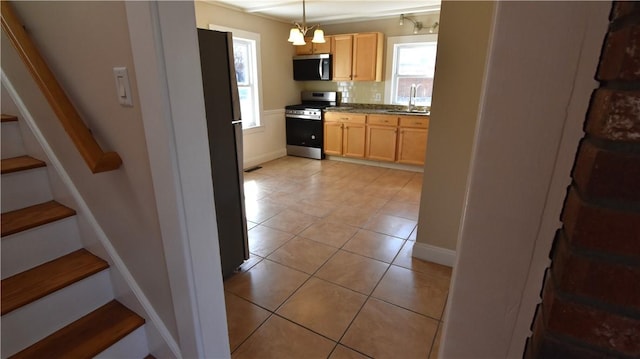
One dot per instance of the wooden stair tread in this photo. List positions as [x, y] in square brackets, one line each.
[35, 283]
[20, 163]
[9, 118]
[33, 216]
[87, 336]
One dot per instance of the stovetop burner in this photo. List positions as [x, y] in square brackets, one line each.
[316, 100]
[308, 106]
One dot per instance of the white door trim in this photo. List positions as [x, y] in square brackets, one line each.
[166, 56]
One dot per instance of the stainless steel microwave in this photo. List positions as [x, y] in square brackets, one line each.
[312, 67]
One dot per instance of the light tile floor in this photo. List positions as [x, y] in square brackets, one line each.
[331, 273]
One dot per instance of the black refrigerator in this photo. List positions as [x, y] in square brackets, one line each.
[224, 127]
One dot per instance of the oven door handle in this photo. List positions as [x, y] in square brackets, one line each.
[302, 117]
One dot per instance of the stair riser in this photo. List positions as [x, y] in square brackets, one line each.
[133, 346]
[25, 326]
[25, 188]
[12, 145]
[30, 248]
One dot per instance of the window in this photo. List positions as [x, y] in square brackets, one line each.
[246, 48]
[412, 63]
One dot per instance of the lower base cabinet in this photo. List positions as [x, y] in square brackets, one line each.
[412, 139]
[389, 138]
[345, 134]
[412, 145]
[333, 138]
[354, 140]
[382, 133]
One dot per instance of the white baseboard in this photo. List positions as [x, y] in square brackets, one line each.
[265, 157]
[434, 254]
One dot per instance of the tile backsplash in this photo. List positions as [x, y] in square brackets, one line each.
[370, 92]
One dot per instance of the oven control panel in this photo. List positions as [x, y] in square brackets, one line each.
[311, 114]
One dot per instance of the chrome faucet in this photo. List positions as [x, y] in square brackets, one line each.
[413, 93]
[412, 97]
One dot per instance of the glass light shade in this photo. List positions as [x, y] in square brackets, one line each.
[401, 19]
[318, 36]
[299, 39]
[292, 34]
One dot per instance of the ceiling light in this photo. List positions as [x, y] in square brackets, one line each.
[417, 25]
[318, 36]
[298, 32]
[433, 27]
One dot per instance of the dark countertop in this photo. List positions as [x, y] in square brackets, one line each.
[378, 109]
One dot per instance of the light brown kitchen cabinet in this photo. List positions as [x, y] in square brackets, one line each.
[315, 48]
[306, 49]
[367, 56]
[412, 139]
[323, 48]
[342, 57]
[358, 57]
[345, 134]
[381, 137]
[333, 138]
[354, 139]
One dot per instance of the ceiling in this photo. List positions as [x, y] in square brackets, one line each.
[330, 11]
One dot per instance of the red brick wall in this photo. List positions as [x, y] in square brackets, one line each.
[591, 294]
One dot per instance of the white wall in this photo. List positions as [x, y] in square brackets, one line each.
[536, 94]
[82, 43]
[460, 63]
[278, 87]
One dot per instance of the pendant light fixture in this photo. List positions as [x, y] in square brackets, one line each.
[298, 32]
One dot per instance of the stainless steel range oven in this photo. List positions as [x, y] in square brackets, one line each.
[305, 124]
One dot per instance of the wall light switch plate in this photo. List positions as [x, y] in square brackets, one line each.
[123, 87]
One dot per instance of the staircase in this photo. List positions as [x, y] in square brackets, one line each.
[57, 298]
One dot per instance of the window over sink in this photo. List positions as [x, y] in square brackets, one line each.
[410, 63]
[246, 52]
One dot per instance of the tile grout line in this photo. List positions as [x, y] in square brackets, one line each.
[378, 211]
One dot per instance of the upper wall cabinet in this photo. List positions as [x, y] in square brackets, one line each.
[367, 56]
[358, 57]
[342, 57]
[313, 48]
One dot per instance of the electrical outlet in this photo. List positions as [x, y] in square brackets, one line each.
[378, 97]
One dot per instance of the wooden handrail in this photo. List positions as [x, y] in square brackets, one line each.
[94, 156]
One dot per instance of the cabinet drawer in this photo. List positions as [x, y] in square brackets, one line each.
[382, 120]
[345, 117]
[332, 116]
[414, 121]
